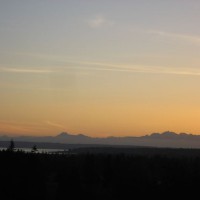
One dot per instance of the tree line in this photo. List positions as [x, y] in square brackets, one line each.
[97, 176]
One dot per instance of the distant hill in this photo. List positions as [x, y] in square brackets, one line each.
[165, 139]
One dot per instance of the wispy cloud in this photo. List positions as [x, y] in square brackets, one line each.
[99, 21]
[23, 70]
[20, 127]
[55, 125]
[186, 38]
[83, 65]
[98, 66]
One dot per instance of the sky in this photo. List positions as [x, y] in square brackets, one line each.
[99, 67]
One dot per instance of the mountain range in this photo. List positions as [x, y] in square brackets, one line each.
[165, 139]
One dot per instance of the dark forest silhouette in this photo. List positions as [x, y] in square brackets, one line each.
[99, 175]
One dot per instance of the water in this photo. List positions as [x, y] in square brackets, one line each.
[39, 150]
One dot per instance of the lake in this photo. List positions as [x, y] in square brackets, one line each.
[39, 150]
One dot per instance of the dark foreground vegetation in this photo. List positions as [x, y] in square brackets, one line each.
[100, 176]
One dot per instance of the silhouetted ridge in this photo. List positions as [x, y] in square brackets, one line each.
[83, 136]
[169, 134]
[63, 134]
[165, 139]
[166, 134]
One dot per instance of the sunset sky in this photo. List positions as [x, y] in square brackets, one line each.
[99, 67]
